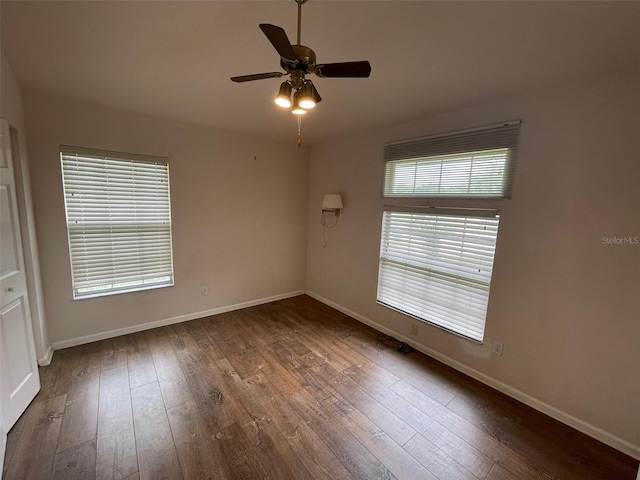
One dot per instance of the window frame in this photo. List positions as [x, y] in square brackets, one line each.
[145, 228]
[429, 275]
[466, 142]
[460, 143]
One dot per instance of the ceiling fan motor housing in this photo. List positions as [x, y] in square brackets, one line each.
[297, 78]
[305, 61]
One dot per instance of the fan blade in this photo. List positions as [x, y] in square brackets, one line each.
[256, 76]
[344, 69]
[279, 40]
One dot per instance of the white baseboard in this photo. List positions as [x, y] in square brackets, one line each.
[169, 321]
[46, 360]
[580, 425]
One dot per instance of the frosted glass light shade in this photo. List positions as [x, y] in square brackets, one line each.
[332, 201]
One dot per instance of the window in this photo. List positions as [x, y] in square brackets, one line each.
[474, 163]
[118, 221]
[436, 263]
[437, 267]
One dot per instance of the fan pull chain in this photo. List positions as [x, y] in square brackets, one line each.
[299, 139]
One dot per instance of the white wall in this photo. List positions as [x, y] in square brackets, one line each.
[11, 109]
[238, 211]
[566, 306]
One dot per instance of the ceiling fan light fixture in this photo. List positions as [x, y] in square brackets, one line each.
[297, 61]
[308, 95]
[284, 95]
[297, 108]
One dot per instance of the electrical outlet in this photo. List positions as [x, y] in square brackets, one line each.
[205, 290]
[414, 329]
[496, 347]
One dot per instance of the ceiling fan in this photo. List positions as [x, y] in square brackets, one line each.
[297, 62]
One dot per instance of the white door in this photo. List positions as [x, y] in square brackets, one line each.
[19, 380]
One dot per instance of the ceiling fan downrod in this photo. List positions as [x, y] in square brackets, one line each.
[300, 3]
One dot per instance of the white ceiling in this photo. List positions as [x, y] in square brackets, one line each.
[174, 59]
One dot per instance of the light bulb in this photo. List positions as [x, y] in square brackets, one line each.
[284, 96]
[297, 109]
[283, 102]
[307, 96]
[307, 103]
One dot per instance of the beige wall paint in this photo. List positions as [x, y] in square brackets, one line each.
[11, 109]
[238, 214]
[565, 305]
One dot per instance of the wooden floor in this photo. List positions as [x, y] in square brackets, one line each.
[287, 390]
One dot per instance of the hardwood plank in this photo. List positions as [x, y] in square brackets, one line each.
[203, 334]
[372, 369]
[323, 349]
[237, 450]
[293, 346]
[311, 359]
[76, 463]
[482, 441]
[114, 352]
[80, 421]
[31, 451]
[260, 326]
[285, 318]
[140, 366]
[62, 362]
[399, 462]
[116, 446]
[157, 457]
[116, 455]
[319, 461]
[170, 376]
[48, 375]
[436, 372]
[286, 380]
[395, 365]
[418, 398]
[436, 461]
[383, 418]
[211, 396]
[335, 323]
[267, 443]
[457, 448]
[413, 416]
[526, 431]
[115, 412]
[197, 454]
[222, 417]
[295, 368]
[360, 463]
[520, 466]
[499, 473]
[242, 353]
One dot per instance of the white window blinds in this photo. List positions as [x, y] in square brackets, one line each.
[437, 267]
[476, 163]
[118, 221]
